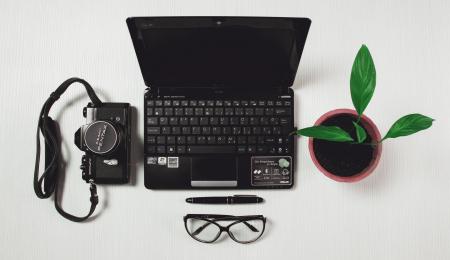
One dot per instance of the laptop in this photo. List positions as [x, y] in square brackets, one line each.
[219, 106]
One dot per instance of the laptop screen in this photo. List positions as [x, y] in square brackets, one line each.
[218, 52]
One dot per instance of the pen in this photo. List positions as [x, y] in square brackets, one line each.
[236, 199]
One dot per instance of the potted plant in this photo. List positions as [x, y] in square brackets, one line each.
[345, 144]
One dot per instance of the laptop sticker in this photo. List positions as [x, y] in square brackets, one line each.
[172, 162]
[162, 160]
[271, 170]
[152, 160]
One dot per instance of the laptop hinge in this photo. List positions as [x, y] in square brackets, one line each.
[217, 92]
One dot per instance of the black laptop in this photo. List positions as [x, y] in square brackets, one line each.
[218, 106]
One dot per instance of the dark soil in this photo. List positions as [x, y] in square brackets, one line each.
[343, 159]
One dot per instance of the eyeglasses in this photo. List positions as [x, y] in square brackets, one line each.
[242, 229]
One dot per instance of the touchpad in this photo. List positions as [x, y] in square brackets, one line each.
[214, 171]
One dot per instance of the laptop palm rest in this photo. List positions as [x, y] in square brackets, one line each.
[214, 171]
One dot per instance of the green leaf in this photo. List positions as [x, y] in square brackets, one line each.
[362, 79]
[329, 133]
[360, 133]
[409, 125]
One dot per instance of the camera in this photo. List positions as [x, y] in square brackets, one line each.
[106, 141]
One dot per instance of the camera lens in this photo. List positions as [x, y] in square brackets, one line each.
[101, 137]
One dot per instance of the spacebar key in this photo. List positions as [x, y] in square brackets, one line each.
[211, 149]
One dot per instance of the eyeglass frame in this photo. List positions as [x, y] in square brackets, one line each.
[212, 218]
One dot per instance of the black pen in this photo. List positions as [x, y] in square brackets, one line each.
[236, 199]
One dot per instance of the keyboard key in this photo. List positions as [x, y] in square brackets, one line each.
[161, 149]
[261, 103]
[204, 120]
[151, 149]
[281, 111]
[173, 121]
[259, 111]
[253, 103]
[151, 139]
[246, 130]
[234, 120]
[171, 140]
[214, 121]
[229, 111]
[249, 111]
[171, 149]
[251, 149]
[150, 103]
[168, 111]
[219, 103]
[211, 140]
[184, 103]
[161, 139]
[226, 130]
[242, 140]
[231, 140]
[244, 103]
[206, 130]
[216, 130]
[236, 130]
[253, 121]
[190, 139]
[153, 130]
[201, 103]
[149, 111]
[239, 111]
[251, 139]
[184, 121]
[221, 139]
[176, 103]
[209, 111]
[227, 103]
[210, 103]
[201, 140]
[278, 103]
[241, 149]
[236, 103]
[198, 111]
[163, 120]
[158, 103]
[261, 149]
[195, 130]
[181, 139]
[181, 149]
[165, 130]
[193, 103]
[287, 103]
[211, 149]
[224, 121]
[268, 111]
[193, 120]
[243, 120]
[152, 121]
[176, 130]
[186, 130]
[189, 111]
[158, 111]
[218, 111]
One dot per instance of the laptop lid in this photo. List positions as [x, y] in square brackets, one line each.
[244, 52]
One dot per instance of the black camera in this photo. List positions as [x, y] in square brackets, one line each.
[106, 139]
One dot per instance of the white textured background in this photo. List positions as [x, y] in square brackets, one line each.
[402, 211]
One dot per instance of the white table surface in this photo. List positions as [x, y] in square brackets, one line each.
[402, 211]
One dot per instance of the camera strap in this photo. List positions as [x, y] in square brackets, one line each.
[47, 183]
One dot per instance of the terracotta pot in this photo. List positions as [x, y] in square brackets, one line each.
[371, 130]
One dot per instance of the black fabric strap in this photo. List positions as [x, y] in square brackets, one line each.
[47, 183]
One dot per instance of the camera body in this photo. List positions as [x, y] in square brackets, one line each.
[106, 141]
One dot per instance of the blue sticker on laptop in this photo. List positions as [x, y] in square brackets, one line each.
[271, 170]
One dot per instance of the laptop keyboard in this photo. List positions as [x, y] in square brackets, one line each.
[182, 126]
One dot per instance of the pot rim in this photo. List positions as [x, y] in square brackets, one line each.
[372, 130]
